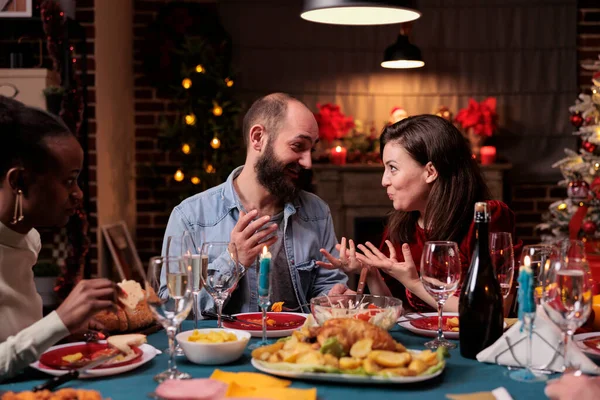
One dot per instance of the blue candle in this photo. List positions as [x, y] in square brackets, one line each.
[526, 289]
[264, 272]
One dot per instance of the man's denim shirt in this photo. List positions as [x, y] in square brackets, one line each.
[210, 216]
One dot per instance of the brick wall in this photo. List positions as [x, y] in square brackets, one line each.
[531, 200]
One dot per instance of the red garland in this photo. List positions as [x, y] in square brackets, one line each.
[332, 123]
[482, 117]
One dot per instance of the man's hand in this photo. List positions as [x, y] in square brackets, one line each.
[340, 288]
[86, 299]
[246, 238]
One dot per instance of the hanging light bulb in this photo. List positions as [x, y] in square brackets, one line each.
[186, 83]
[179, 176]
[190, 119]
[215, 143]
[210, 169]
[185, 149]
[402, 54]
[217, 110]
[200, 69]
[195, 180]
[228, 82]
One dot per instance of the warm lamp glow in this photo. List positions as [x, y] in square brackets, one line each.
[354, 12]
[190, 119]
[186, 83]
[195, 180]
[402, 64]
[179, 176]
[185, 149]
[215, 143]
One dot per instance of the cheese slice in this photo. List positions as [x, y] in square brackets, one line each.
[123, 342]
[134, 291]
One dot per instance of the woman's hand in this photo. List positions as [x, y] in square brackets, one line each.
[347, 261]
[340, 289]
[405, 272]
[86, 299]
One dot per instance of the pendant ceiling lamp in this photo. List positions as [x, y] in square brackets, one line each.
[359, 12]
[402, 54]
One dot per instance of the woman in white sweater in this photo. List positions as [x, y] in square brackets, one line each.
[40, 161]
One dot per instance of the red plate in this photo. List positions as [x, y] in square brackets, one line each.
[593, 343]
[282, 321]
[431, 323]
[53, 359]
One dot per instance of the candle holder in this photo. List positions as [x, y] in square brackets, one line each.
[264, 293]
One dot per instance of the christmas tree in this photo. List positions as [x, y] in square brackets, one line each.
[203, 136]
[579, 214]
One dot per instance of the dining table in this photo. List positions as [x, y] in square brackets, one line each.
[461, 376]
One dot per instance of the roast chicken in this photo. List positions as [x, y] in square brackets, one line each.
[348, 331]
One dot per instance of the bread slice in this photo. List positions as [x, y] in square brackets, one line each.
[123, 343]
[135, 294]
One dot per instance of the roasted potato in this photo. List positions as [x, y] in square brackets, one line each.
[370, 366]
[398, 372]
[428, 357]
[390, 359]
[361, 348]
[311, 358]
[264, 352]
[350, 363]
[418, 366]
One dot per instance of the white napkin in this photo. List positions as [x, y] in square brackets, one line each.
[501, 394]
[542, 353]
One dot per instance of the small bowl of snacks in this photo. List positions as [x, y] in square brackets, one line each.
[382, 311]
[213, 346]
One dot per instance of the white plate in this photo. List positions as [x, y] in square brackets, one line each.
[258, 331]
[405, 323]
[148, 351]
[343, 378]
[591, 353]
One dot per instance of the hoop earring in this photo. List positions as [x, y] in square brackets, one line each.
[18, 215]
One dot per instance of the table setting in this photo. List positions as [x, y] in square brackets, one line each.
[349, 346]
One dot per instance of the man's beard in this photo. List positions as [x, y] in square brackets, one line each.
[271, 174]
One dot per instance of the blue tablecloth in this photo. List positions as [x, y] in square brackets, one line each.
[461, 376]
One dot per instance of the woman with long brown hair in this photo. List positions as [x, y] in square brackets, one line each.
[433, 182]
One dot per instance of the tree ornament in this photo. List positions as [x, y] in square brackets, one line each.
[576, 119]
[589, 227]
[578, 190]
[588, 146]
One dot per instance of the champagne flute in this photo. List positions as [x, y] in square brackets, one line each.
[567, 300]
[222, 272]
[180, 245]
[503, 260]
[440, 275]
[172, 310]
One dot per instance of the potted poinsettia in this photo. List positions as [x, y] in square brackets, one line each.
[479, 120]
[333, 126]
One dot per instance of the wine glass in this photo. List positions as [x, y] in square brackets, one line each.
[440, 275]
[222, 272]
[571, 248]
[170, 310]
[181, 245]
[503, 260]
[567, 300]
[534, 266]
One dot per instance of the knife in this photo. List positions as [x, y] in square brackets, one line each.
[229, 318]
[74, 374]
